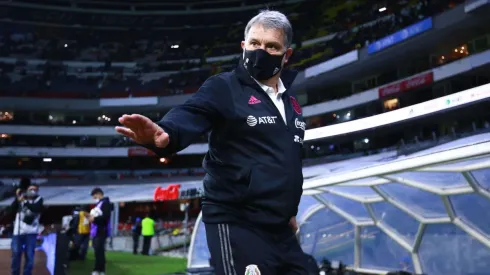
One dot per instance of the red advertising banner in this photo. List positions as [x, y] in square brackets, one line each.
[140, 152]
[407, 84]
[171, 192]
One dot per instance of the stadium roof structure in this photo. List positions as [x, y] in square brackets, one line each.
[427, 213]
[66, 192]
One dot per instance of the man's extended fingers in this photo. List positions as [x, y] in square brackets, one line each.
[140, 118]
[125, 131]
[134, 118]
[162, 140]
[128, 119]
[131, 123]
[123, 118]
[134, 121]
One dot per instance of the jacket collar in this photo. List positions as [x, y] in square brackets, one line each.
[287, 76]
[102, 201]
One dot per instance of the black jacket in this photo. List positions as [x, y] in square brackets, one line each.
[136, 228]
[101, 224]
[35, 205]
[253, 166]
[27, 215]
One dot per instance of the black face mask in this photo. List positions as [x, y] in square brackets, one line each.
[262, 65]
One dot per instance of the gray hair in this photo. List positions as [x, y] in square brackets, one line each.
[272, 20]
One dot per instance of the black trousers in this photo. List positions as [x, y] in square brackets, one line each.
[82, 243]
[146, 245]
[98, 243]
[238, 249]
[136, 242]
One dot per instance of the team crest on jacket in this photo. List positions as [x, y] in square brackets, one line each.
[252, 270]
[295, 105]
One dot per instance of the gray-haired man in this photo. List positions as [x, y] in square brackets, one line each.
[254, 178]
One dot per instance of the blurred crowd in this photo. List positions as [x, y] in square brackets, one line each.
[162, 67]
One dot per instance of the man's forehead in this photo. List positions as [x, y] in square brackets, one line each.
[261, 33]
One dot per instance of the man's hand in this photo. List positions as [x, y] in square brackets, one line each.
[293, 224]
[91, 218]
[142, 130]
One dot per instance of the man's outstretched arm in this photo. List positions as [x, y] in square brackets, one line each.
[183, 124]
[186, 123]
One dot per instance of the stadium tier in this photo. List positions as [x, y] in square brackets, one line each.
[28, 74]
[394, 96]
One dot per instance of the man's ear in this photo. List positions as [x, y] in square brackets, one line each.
[242, 45]
[288, 54]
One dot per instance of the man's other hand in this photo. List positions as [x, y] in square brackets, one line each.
[294, 225]
[142, 130]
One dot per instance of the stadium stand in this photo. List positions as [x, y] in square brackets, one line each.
[30, 74]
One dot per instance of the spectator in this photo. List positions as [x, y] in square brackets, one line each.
[101, 227]
[28, 206]
[82, 235]
[136, 232]
[148, 231]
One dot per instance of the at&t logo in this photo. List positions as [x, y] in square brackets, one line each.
[252, 121]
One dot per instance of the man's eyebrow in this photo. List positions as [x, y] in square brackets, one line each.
[274, 43]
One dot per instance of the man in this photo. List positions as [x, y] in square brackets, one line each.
[253, 180]
[100, 217]
[70, 223]
[28, 206]
[136, 232]
[148, 231]
[81, 228]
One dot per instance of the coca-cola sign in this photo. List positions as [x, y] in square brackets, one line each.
[168, 193]
[407, 84]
